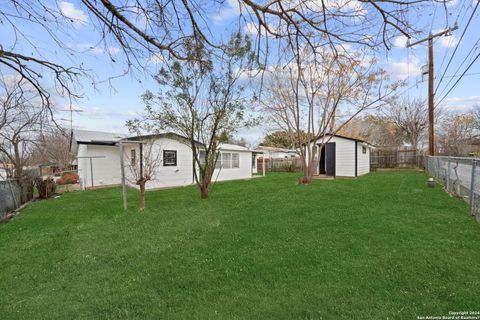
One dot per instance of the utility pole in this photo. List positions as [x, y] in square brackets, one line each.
[431, 98]
[431, 106]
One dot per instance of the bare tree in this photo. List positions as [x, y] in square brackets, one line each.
[376, 129]
[143, 164]
[203, 102]
[410, 117]
[53, 146]
[457, 134]
[161, 29]
[22, 120]
[311, 100]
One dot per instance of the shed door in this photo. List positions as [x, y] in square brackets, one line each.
[330, 159]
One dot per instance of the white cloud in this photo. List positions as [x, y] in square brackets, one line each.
[471, 99]
[157, 58]
[251, 28]
[230, 10]
[448, 42]
[400, 70]
[451, 3]
[94, 49]
[400, 41]
[68, 10]
[109, 50]
[101, 113]
[346, 6]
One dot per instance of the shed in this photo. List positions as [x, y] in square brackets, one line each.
[343, 156]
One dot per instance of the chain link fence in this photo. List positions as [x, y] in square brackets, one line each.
[460, 177]
[9, 197]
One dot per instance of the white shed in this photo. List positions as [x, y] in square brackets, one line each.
[343, 156]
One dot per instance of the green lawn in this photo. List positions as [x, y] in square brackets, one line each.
[381, 246]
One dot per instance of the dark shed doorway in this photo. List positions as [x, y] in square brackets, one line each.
[327, 159]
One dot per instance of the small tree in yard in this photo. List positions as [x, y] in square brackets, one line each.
[308, 99]
[53, 146]
[202, 101]
[143, 167]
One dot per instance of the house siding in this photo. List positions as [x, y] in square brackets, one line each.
[243, 172]
[106, 170]
[182, 173]
[363, 160]
[172, 176]
[345, 157]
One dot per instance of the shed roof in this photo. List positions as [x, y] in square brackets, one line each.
[343, 137]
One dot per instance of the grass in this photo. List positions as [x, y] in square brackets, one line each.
[379, 247]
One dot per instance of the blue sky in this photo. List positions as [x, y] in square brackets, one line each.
[109, 105]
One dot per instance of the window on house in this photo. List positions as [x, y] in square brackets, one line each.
[218, 163]
[201, 156]
[226, 160]
[235, 160]
[364, 149]
[169, 158]
[133, 157]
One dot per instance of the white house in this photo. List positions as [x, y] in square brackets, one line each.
[343, 156]
[98, 159]
[277, 153]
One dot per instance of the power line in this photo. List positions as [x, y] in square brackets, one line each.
[458, 43]
[460, 9]
[458, 80]
[471, 52]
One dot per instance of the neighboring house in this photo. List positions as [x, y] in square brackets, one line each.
[343, 156]
[277, 153]
[98, 159]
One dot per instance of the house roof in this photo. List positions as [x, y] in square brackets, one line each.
[170, 135]
[112, 138]
[275, 149]
[343, 137]
[94, 137]
[232, 147]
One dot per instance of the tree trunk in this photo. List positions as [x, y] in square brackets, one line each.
[142, 195]
[204, 192]
[308, 162]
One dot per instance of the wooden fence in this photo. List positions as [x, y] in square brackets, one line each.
[396, 159]
[280, 165]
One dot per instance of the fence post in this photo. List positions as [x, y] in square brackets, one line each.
[472, 187]
[448, 175]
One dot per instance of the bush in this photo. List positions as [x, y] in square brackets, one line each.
[68, 178]
[46, 188]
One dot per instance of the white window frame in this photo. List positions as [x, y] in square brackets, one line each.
[225, 160]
